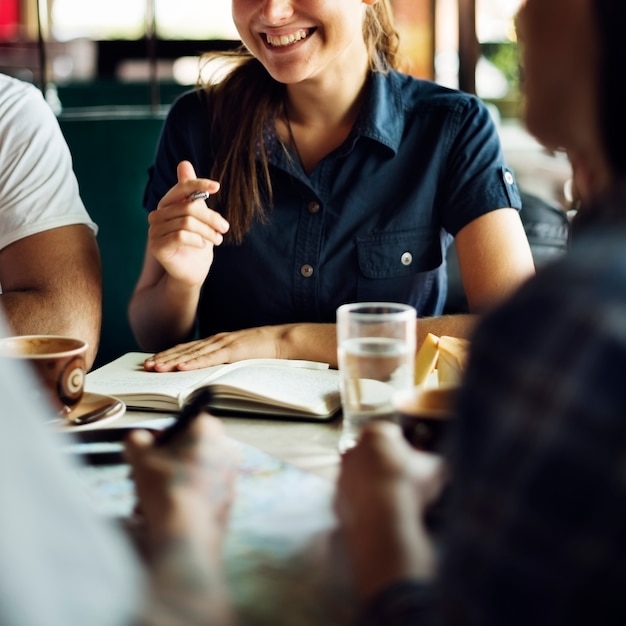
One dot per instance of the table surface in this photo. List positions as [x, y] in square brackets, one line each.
[282, 557]
[310, 446]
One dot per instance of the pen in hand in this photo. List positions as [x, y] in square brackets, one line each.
[197, 403]
[198, 195]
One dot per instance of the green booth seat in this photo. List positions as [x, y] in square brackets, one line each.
[112, 149]
[103, 92]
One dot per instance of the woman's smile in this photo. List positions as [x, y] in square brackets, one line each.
[287, 39]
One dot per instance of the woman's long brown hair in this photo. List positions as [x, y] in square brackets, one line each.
[243, 103]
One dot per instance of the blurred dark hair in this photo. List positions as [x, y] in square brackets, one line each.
[611, 21]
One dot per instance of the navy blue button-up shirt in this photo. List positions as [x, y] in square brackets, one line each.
[371, 222]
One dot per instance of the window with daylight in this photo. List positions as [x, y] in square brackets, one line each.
[127, 19]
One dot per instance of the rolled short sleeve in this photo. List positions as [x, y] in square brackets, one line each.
[477, 180]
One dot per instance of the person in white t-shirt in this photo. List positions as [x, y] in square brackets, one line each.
[50, 273]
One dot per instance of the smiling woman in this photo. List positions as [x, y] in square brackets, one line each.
[334, 177]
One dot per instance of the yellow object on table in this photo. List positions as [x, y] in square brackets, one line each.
[441, 361]
[426, 358]
[452, 360]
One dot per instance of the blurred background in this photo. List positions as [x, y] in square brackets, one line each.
[145, 52]
[91, 40]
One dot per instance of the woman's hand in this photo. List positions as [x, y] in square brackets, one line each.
[262, 342]
[313, 342]
[183, 232]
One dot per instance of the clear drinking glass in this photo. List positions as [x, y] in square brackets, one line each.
[376, 353]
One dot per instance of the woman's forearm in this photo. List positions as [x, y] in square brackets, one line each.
[164, 314]
[318, 342]
[312, 342]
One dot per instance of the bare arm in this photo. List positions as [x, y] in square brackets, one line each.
[312, 342]
[494, 258]
[162, 312]
[52, 284]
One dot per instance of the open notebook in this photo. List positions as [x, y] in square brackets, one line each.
[265, 387]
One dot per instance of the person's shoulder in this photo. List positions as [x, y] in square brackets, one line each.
[24, 111]
[15, 92]
[190, 102]
[188, 111]
[10, 85]
[188, 116]
[427, 93]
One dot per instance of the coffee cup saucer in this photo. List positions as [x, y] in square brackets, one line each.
[94, 408]
[427, 402]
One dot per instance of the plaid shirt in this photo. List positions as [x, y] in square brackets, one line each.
[536, 521]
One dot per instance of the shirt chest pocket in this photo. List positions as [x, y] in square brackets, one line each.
[399, 267]
[388, 255]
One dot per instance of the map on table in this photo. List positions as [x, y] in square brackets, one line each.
[283, 556]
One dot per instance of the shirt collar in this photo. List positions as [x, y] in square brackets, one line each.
[382, 116]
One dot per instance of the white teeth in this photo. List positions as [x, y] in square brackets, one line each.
[285, 40]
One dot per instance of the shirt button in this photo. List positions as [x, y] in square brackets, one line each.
[306, 270]
[406, 258]
[508, 177]
[314, 207]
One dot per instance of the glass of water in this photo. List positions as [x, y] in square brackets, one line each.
[376, 343]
